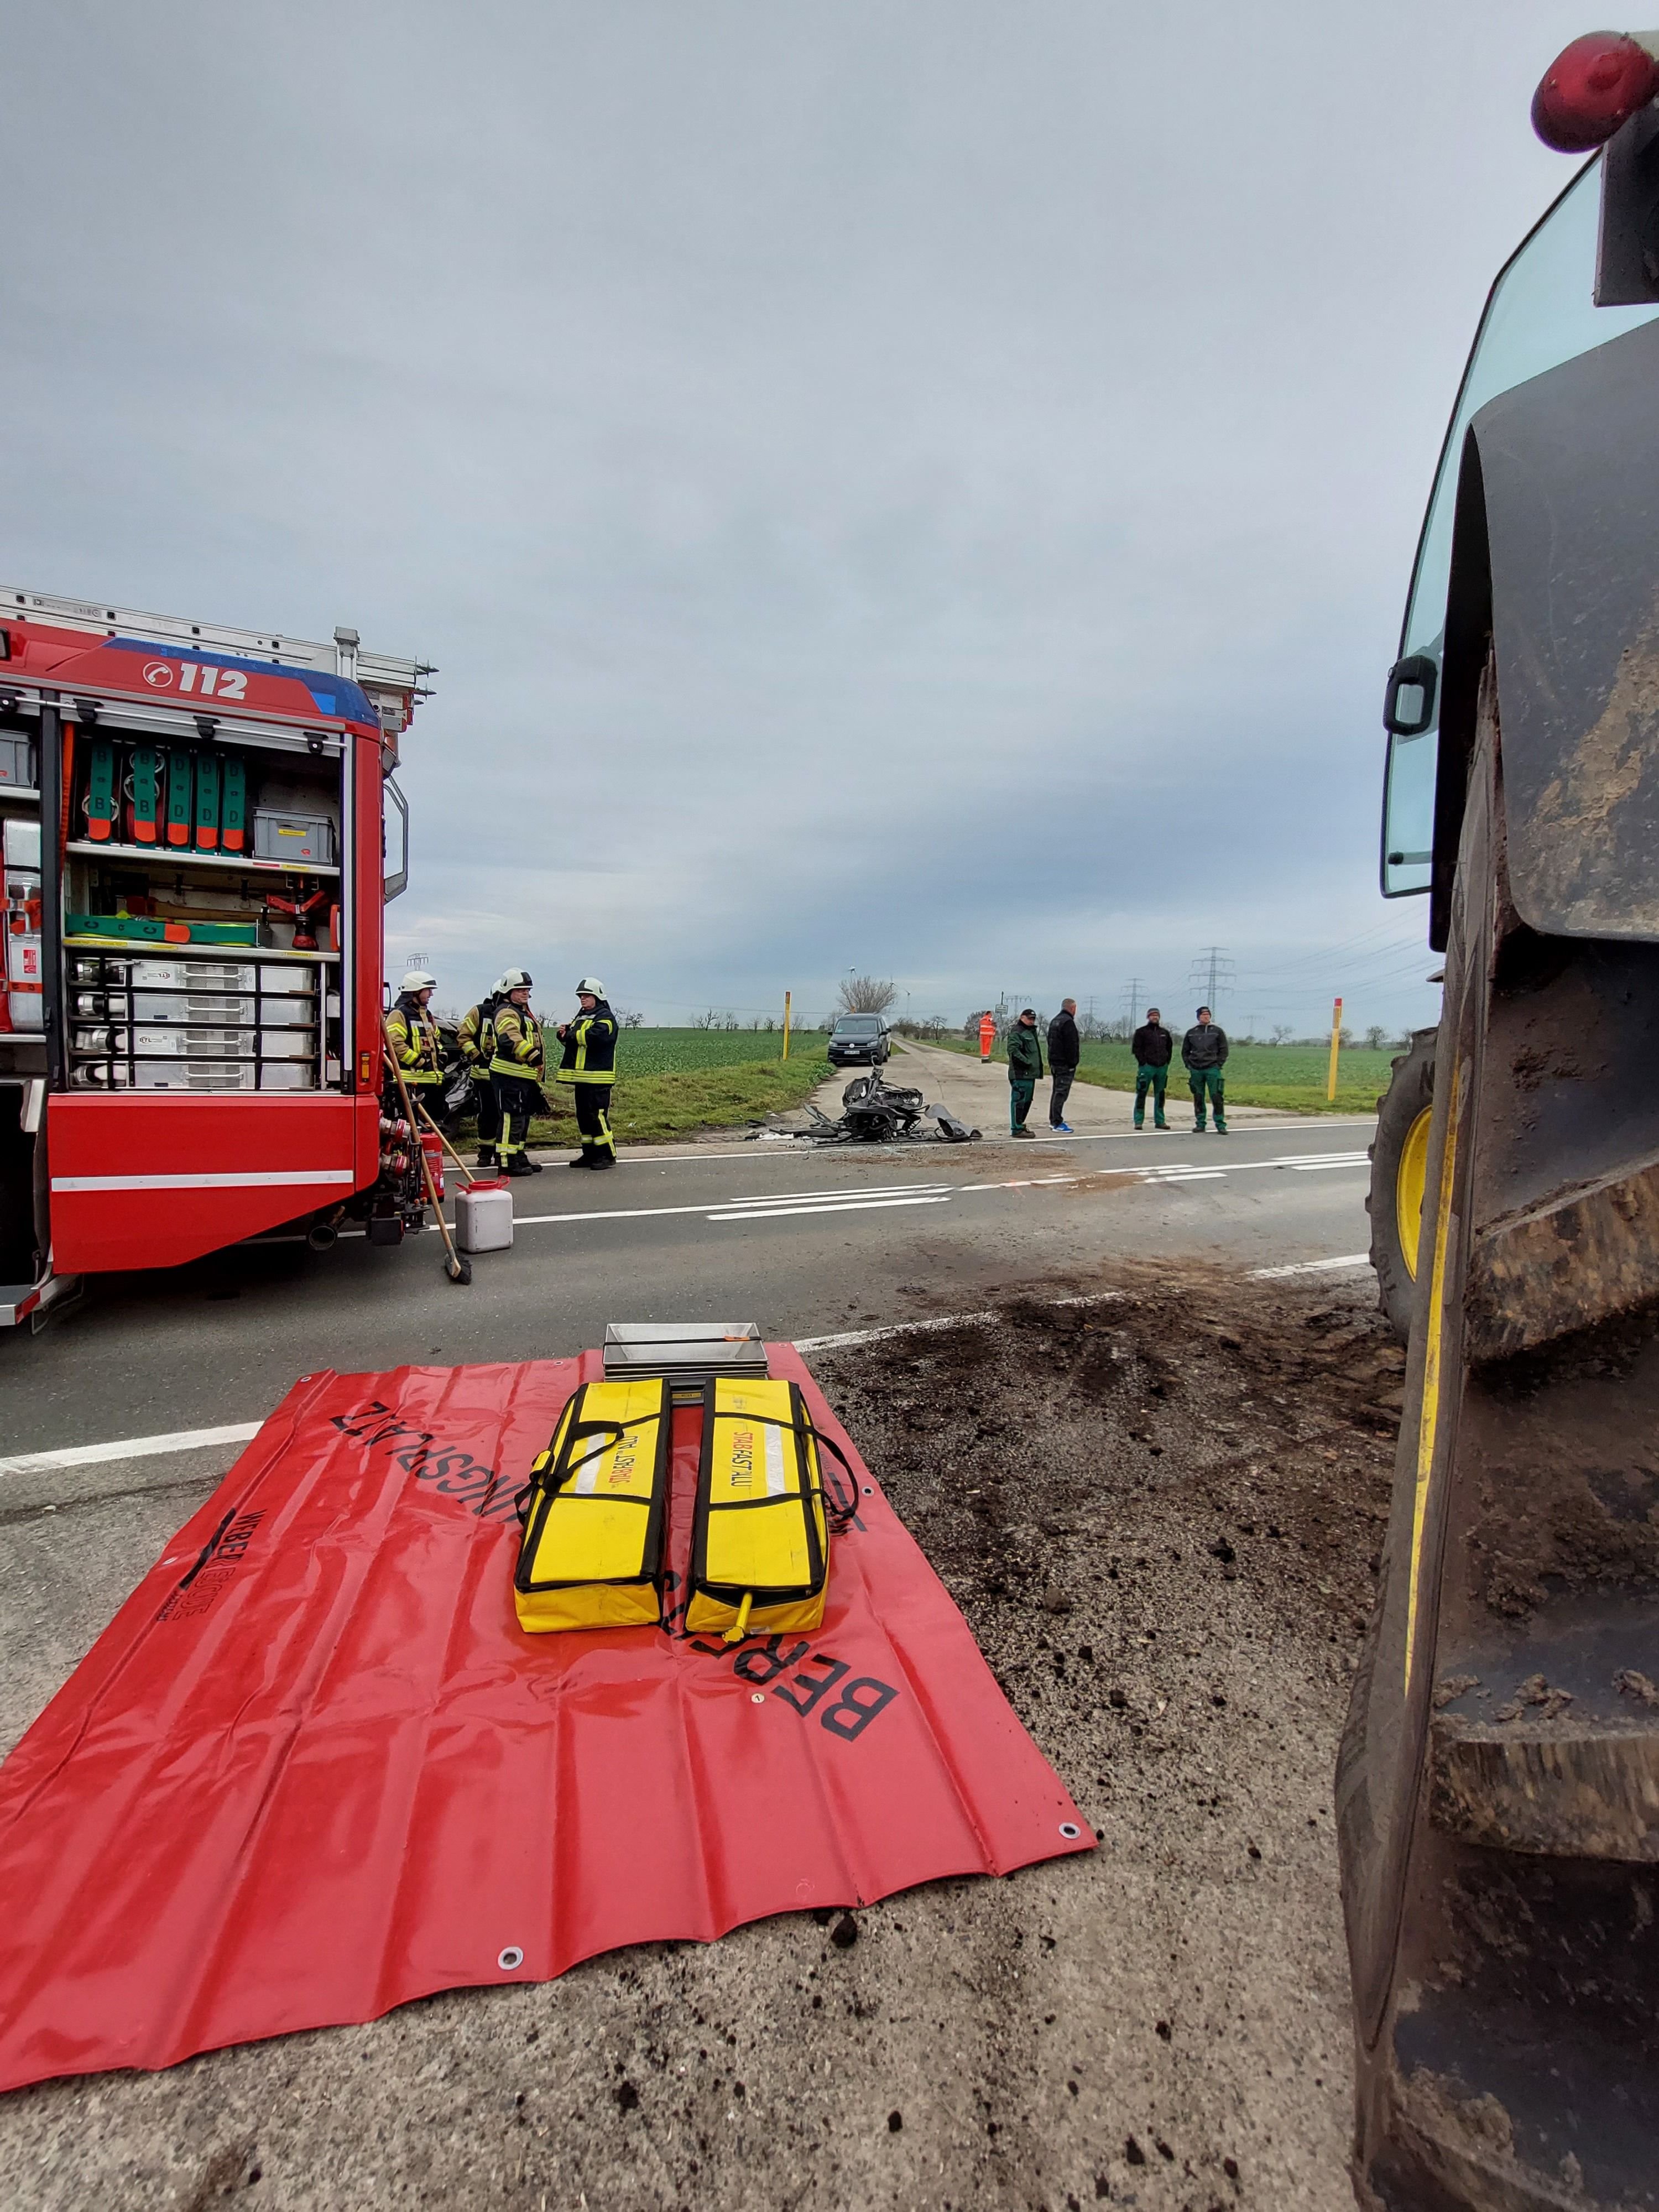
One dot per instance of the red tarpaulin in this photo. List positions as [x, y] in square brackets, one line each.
[314, 1769]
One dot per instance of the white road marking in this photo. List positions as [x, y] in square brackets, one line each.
[128, 1448]
[628, 1159]
[1313, 1268]
[849, 1206]
[946, 1321]
[895, 1329]
[859, 1197]
[858, 1193]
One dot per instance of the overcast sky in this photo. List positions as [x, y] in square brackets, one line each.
[925, 486]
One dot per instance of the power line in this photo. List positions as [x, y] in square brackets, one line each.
[1366, 936]
[1211, 972]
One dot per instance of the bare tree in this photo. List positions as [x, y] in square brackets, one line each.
[1281, 1032]
[1374, 1037]
[867, 994]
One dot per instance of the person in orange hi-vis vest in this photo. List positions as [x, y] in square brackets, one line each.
[987, 1032]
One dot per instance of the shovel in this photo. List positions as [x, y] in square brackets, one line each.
[457, 1267]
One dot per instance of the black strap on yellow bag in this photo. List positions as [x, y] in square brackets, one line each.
[595, 1510]
[760, 1542]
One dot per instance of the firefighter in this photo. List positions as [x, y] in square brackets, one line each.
[589, 1062]
[413, 1036]
[477, 1039]
[516, 1069]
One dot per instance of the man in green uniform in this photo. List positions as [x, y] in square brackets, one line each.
[1204, 1055]
[589, 1064]
[413, 1035]
[516, 1069]
[1025, 1070]
[477, 1038]
[1153, 1048]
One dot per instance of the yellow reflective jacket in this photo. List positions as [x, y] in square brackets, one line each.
[590, 1048]
[414, 1038]
[476, 1034]
[518, 1046]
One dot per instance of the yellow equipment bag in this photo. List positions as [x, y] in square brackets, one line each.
[594, 1512]
[760, 1541]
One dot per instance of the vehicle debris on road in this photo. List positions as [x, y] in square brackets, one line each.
[875, 1112]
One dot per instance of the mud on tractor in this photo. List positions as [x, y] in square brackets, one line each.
[1498, 1782]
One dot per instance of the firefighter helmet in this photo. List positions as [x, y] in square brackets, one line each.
[515, 979]
[418, 978]
[590, 986]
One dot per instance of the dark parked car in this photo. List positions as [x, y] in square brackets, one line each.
[860, 1040]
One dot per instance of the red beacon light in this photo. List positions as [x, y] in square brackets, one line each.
[1591, 89]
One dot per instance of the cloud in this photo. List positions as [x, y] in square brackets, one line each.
[928, 488]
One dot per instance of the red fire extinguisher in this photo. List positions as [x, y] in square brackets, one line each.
[432, 1147]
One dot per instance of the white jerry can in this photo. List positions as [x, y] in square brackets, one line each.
[483, 1218]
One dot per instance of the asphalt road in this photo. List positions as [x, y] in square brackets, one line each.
[447, 2102]
[805, 1242]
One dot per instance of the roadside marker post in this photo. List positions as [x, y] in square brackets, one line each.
[786, 1024]
[1336, 1042]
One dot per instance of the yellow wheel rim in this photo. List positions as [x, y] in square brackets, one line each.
[1408, 1186]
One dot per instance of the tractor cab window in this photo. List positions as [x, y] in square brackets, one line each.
[1538, 314]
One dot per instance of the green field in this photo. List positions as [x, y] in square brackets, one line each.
[1289, 1076]
[672, 1083]
[678, 1052]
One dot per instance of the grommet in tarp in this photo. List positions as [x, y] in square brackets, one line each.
[512, 1957]
[758, 1697]
[1070, 1830]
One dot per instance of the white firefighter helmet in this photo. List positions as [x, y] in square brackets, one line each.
[590, 988]
[515, 979]
[419, 979]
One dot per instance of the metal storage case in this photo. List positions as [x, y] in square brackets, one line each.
[193, 1024]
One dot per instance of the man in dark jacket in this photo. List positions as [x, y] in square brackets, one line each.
[1204, 1055]
[1065, 1051]
[1153, 1048]
[1025, 1070]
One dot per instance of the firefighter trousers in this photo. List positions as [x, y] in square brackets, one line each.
[516, 1099]
[593, 1120]
[490, 1111]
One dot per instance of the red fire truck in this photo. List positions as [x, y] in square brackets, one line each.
[193, 823]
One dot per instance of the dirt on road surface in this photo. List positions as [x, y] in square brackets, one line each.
[1159, 1504]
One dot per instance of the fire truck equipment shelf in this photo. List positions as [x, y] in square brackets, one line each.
[245, 864]
[217, 800]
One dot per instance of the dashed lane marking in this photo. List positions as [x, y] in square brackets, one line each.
[1314, 1267]
[178, 1440]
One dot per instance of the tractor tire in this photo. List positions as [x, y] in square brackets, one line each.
[1399, 1156]
[1497, 1786]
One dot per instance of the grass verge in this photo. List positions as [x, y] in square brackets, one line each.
[649, 1109]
